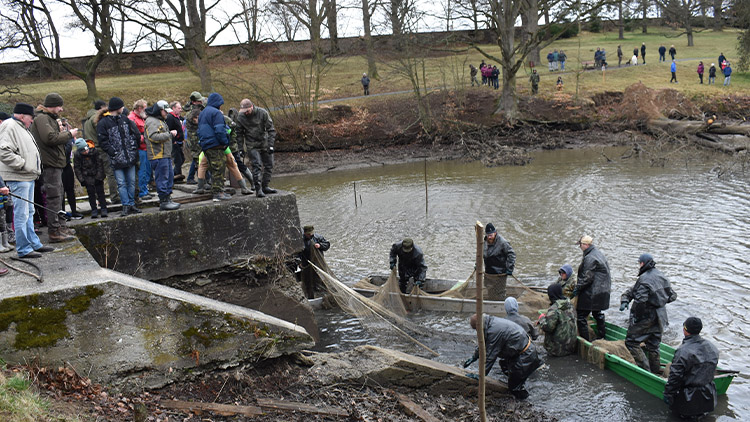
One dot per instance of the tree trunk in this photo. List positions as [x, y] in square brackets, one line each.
[90, 81]
[395, 18]
[644, 5]
[620, 23]
[372, 68]
[333, 31]
[508, 101]
[530, 21]
[718, 22]
[688, 26]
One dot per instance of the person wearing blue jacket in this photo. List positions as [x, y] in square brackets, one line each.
[673, 68]
[727, 74]
[213, 139]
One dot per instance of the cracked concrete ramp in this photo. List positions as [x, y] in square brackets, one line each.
[127, 331]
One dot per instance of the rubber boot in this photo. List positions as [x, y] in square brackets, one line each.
[654, 362]
[258, 191]
[243, 187]
[4, 246]
[269, 190]
[201, 189]
[248, 175]
[166, 204]
[125, 210]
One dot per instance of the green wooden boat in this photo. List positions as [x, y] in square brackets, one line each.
[647, 381]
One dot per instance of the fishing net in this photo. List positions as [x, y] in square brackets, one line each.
[599, 348]
[374, 316]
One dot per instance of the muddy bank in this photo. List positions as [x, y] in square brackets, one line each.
[387, 130]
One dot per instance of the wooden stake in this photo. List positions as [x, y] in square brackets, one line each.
[479, 228]
[355, 194]
[413, 409]
[426, 200]
[220, 409]
[290, 406]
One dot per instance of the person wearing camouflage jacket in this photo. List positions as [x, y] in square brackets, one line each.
[559, 323]
[257, 136]
[648, 315]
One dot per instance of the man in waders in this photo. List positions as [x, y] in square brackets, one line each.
[690, 391]
[499, 261]
[593, 287]
[507, 341]
[648, 316]
[410, 263]
[315, 245]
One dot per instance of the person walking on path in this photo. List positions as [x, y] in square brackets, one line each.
[593, 288]
[712, 74]
[672, 52]
[700, 71]
[619, 56]
[534, 79]
[562, 57]
[673, 69]
[366, 83]
[643, 52]
[662, 53]
[727, 75]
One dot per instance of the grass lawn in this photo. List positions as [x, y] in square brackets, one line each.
[341, 78]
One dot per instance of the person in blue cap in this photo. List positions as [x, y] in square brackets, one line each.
[499, 261]
[648, 315]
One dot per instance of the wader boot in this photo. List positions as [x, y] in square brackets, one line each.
[268, 190]
[243, 187]
[201, 189]
[247, 174]
[654, 362]
[166, 204]
[125, 210]
[258, 191]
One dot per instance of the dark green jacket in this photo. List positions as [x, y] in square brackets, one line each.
[50, 139]
[256, 131]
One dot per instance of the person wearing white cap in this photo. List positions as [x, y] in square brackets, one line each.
[593, 287]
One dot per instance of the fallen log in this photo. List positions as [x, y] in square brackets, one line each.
[221, 409]
[413, 409]
[710, 143]
[285, 406]
[691, 127]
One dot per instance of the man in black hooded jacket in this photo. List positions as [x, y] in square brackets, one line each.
[593, 288]
[648, 316]
[690, 389]
[410, 263]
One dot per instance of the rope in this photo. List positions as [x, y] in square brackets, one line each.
[39, 278]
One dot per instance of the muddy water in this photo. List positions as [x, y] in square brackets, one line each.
[696, 226]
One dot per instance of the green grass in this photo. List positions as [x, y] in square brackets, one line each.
[19, 402]
[237, 80]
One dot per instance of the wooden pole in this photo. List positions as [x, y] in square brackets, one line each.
[426, 200]
[479, 228]
[355, 194]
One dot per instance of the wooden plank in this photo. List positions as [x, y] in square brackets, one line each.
[222, 409]
[413, 409]
[289, 406]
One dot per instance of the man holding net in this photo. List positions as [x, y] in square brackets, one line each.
[410, 263]
[315, 245]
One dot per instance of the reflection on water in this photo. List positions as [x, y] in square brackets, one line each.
[695, 226]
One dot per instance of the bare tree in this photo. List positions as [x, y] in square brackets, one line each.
[682, 12]
[469, 10]
[718, 21]
[30, 26]
[285, 20]
[332, 23]
[644, 9]
[620, 23]
[368, 9]
[182, 25]
[503, 15]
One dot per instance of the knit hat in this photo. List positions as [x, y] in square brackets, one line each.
[308, 229]
[81, 144]
[407, 245]
[115, 103]
[511, 305]
[489, 228]
[4, 115]
[693, 325]
[98, 104]
[644, 258]
[585, 240]
[23, 108]
[554, 292]
[53, 100]
[197, 96]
